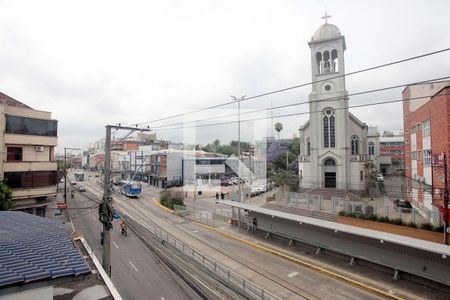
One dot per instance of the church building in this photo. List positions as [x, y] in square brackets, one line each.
[334, 144]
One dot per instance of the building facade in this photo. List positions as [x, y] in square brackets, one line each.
[334, 144]
[427, 132]
[29, 138]
[392, 153]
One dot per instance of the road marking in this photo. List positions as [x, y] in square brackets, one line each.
[290, 275]
[115, 245]
[133, 266]
[162, 298]
[195, 231]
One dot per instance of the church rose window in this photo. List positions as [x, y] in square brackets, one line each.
[355, 144]
[329, 132]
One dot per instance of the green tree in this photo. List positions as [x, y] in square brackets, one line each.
[287, 179]
[278, 127]
[5, 196]
[295, 147]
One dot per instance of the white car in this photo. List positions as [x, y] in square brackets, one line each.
[380, 177]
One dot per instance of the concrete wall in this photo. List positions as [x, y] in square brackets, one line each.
[43, 293]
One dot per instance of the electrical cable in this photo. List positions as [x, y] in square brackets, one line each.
[304, 113]
[298, 86]
[303, 102]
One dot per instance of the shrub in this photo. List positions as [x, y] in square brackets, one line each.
[439, 229]
[427, 226]
[170, 199]
[412, 225]
[384, 219]
[371, 217]
[397, 222]
[342, 213]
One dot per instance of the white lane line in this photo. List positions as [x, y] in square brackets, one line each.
[290, 275]
[162, 298]
[133, 266]
[115, 245]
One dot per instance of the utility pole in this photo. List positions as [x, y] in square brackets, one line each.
[65, 171]
[105, 209]
[239, 154]
[445, 200]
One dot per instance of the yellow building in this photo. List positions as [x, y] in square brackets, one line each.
[28, 138]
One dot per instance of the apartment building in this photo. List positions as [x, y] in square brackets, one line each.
[392, 153]
[28, 137]
[427, 132]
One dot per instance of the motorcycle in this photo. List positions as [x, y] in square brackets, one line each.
[124, 231]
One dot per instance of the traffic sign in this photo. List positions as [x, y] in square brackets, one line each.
[448, 229]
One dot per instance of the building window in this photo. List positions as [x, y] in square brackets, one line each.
[361, 175]
[413, 129]
[329, 134]
[355, 145]
[30, 179]
[308, 146]
[414, 155]
[30, 126]
[14, 154]
[427, 157]
[371, 148]
[426, 128]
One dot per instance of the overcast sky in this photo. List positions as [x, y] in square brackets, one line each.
[93, 63]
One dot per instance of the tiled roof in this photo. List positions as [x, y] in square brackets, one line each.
[34, 248]
[7, 100]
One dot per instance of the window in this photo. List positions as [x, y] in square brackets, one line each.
[29, 126]
[414, 155]
[30, 179]
[14, 154]
[308, 146]
[329, 134]
[426, 128]
[413, 129]
[427, 157]
[361, 175]
[371, 148]
[355, 145]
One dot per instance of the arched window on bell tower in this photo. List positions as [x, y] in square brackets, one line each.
[326, 62]
[355, 145]
[334, 61]
[319, 62]
[329, 130]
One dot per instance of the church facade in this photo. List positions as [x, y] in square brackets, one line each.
[334, 144]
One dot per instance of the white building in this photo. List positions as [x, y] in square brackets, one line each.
[334, 144]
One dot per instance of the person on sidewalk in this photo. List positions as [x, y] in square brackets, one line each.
[217, 196]
[254, 225]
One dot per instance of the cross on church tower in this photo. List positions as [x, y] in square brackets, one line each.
[326, 17]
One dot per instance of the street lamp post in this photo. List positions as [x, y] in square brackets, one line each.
[238, 100]
[65, 171]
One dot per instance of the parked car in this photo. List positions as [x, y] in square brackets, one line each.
[81, 188]
[403, 204]
[380, 177]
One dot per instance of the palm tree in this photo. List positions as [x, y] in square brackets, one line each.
[278, 127]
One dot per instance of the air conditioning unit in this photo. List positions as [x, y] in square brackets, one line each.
[39, 148]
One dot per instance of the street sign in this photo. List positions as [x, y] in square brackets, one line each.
[61, 205]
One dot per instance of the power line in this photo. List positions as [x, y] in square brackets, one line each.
[304, 102]
[303, 113]
[300, 85]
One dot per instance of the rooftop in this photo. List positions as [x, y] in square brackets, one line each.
[34, 249]
[7, 100]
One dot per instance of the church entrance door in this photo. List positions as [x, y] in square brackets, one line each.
[330, 173]
[330, 179]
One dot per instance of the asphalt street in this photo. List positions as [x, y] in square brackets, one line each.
[136, 271]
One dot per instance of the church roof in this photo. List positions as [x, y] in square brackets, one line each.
[326, 31]
[7, 100]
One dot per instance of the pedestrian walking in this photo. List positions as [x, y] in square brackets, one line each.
[254, 225]
[217, 196]
[222, 195]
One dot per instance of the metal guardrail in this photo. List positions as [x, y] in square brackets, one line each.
[214, 268]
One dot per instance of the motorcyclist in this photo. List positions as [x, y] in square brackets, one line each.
[123, 227]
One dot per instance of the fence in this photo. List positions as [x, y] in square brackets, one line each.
[338, 204]
[212, 267]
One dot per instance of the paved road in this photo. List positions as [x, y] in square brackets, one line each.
[136, 271]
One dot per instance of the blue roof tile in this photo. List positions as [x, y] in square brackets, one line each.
[34, 248]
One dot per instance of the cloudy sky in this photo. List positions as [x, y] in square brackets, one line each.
[93, 63]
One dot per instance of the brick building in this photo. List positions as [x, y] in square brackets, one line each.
[427, 132]
[392, 153]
